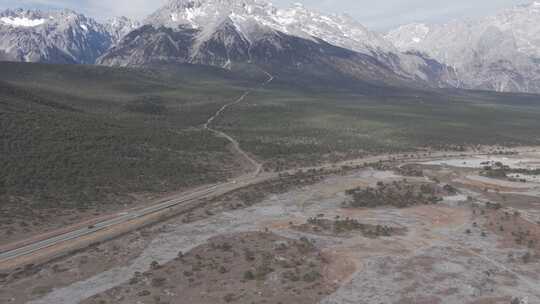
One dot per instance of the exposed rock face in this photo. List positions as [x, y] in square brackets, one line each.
[500, 53]
[495, 53]
[119, 27]
[56, 37]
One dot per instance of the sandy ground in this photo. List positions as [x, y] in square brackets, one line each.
[451, 252]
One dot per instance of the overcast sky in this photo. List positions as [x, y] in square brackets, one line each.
[376, 14]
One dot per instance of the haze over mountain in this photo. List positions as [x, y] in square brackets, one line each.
[496, 53]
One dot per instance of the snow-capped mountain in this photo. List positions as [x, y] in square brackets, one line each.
[222, 32]
[339, 30]
[56, 37]
[499, 52]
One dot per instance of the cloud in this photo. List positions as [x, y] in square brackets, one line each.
[100, 9]
[131, 8]
[384, 14]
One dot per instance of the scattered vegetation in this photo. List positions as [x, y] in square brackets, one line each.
[515, 231]
[502, 171]
[396, 194]
[83, 136]
[253, 267]
[288, 126]
[495, 170]
[346, 227]
[252, 195]
[410, 170]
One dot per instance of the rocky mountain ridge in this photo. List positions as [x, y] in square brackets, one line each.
[57, 36]
[500, 52]
[223, 32]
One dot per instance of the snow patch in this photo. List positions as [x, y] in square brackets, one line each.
[22, 21]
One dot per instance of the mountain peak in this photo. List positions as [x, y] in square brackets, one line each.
[22, 18]
[118, 27]
[407, 36]
[191, 4]
[252, 16]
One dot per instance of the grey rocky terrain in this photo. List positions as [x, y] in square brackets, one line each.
[497, 53]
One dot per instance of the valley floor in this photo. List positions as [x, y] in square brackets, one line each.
[368, 196]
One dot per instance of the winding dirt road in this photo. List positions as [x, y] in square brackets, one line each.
[236, 146]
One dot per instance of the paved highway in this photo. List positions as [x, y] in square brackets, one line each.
[120, 219]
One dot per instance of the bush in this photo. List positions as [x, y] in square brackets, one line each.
[230, 297]
[400, 195]
[311, 276]
[249, 276]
